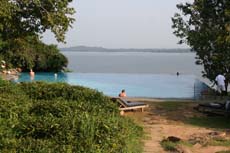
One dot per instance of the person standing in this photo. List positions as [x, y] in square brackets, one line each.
[220, 82]
[32, 74]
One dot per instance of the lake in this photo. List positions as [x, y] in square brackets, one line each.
[133, 62]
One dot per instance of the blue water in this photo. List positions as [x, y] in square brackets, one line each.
[136, 85]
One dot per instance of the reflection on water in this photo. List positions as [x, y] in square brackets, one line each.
[136, 85]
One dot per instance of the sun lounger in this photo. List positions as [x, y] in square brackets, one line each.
[127, 105]
[214, 108]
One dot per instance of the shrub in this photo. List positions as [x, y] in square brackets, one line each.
[57, 117]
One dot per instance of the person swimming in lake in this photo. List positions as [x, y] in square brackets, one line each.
[122, 94]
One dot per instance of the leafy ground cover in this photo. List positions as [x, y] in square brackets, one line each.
[42, 117]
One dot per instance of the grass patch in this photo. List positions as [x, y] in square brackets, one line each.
[219, 122]
[172, 146]
[169, 146]
[184, 112]
[219, 142]
[186, 143]
[226, 151]
[171, 106]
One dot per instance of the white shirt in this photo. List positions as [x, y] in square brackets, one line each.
[220, 79]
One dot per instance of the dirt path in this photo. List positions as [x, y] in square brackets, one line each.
[160, 124]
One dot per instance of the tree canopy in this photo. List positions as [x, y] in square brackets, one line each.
[31, 17]
[25, 20]
[32, 53]
[205, 26]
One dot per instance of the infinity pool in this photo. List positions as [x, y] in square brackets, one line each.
[136, 85]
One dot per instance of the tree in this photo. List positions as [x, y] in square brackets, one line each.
[32, 53]
[32, 17]
[21, 24]
[205, 26]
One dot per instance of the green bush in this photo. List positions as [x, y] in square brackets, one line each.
[57, 117]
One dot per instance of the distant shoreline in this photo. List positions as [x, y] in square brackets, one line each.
[101, 49]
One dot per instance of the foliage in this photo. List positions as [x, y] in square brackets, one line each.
[26, 18]
[23, 22]
[205, 26]
[30, 52]
[42, 117]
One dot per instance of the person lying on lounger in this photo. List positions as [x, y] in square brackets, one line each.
[122, 94]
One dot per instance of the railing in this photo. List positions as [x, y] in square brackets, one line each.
[201, 90]
[204, 92]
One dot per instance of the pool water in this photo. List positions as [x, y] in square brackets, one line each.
[136, 85]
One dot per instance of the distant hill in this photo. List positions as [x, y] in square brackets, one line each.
[101, 49]
[83, 48]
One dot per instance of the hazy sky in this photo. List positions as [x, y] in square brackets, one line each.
[122, 24]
